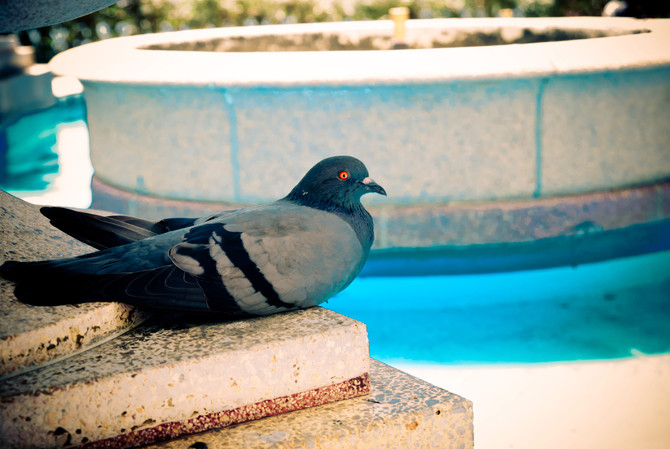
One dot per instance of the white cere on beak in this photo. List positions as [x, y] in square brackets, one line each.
[367, 180]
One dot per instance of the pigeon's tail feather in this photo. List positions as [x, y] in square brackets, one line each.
[56, 282]
[171, 224]
[101, 232]
[45, 283]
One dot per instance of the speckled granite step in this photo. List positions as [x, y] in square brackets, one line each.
[401, 412]
[170, 377]
[31, 336]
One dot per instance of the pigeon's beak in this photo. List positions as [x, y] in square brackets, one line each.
[372, 186]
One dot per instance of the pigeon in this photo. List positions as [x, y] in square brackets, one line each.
[290, 254]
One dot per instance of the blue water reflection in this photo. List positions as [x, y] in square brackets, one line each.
[604, 310]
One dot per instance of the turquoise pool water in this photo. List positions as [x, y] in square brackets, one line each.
[29, 159]
[603, 310]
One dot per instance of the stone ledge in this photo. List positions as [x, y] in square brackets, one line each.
[195, 373]
[270, 407]
[31, 336]
[401, 412]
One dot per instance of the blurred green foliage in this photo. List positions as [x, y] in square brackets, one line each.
[149, 16]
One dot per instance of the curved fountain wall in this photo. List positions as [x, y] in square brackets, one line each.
[523, 136]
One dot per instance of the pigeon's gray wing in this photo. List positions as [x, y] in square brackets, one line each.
[271, 259]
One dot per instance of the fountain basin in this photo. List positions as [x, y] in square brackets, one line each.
[190, 121]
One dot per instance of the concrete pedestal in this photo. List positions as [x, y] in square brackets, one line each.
[172, 377]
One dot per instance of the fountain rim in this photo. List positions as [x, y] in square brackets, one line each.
[126, 60]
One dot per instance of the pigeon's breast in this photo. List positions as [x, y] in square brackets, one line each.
[317, 259]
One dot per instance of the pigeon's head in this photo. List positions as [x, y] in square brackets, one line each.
[338, 180]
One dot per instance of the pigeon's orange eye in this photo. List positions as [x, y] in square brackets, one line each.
[343, 175]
